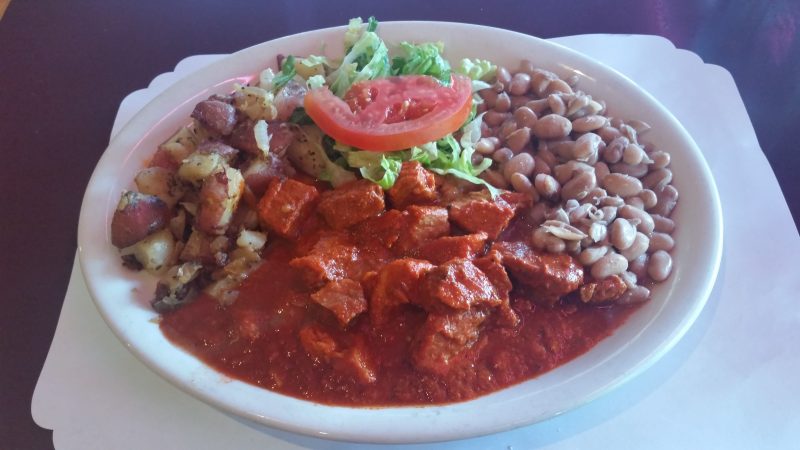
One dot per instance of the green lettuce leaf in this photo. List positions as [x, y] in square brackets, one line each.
[367, 57]
[286, 74]
[477, 69]
[422, 59]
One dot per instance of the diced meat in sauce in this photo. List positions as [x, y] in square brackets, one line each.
[550, 275]
[445, 248]
[285, 205]
[351, 203]
[344, 298]
[457, 284]
[352, 360]
[395, 284]
[414, 185]
[423, 223]
[444, 337]
[492, 266]
[607, 289]
[383, 229]
[333, 257]
[477, 212]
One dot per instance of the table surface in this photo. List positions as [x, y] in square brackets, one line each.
[65, 66]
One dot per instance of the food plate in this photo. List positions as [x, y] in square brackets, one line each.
[122, 297]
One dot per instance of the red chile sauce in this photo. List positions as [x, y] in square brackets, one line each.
[276, 302]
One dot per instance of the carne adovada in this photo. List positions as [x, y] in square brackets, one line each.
[480, 240]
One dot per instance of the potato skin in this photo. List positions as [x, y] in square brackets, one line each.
[136, 217]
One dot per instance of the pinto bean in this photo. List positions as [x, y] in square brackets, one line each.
[649, 198]
[525, 116]
[520, 83]
[660, 265]
[609, 213]
[494, 118]
[667, 199]
[663, 224]
[518, 139]
[614, 150]
[622, 233]
[546, 185]
[657, 179]
[601, 170]
[589, 123]
[522, 163]
[487, 146]
[638, 248]
[502, 75]
[579, 186]
[558, 85]
[610, 264]
[552, 126]
[660, 241]
[523, 184]
[586, 147]
[502, 103]
[502, 155]
[621, 184]
[636, 171]
[608, 133]
[646, 224]
[540, 166]
[633, 154]
[635, 294]
[556, 104]
[660, 159]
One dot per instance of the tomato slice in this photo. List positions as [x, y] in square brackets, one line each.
[393, 113]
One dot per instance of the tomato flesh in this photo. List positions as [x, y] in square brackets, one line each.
[393, 113]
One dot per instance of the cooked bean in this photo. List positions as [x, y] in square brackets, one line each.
[609, 264]
[487, 146]
[657, 179]
[502, 75]
[636, 171]
[480, 109]
[613, 152]
[635, 294]
[526, 65]
[578, 212]
[506, 128]
[661, 241]
[564, 149]
[622, 233]
[667, 199]
[638, 266]
[598, 231]
[609, 133]
[639, 126]
[612, 200]
[597, 107]
[522, 184]
[522, 163]
[552, 126]
[517, 140]
[503, 102]
[572, 247]
[540, 80]
[520, 83]
[649, 198]
[601, 170]
[546, 185]
[622, 185]
[636, 202]
[663, 224]
[540, 166]
[495, 178]
[502, 155]
[571, 204]
[486, 130]
[559, 85]
[628, 132]
[556, 104]
[646, 224]
[609, 213]
[537, 213]
[660, 265]
[588, 123]
[629, 278]
[579, 186]
[633, 154]
[557, 214]
[489, 97]
[494, 118]
[518, 101]
[596, 194]
[660, 159]
[538, 106]
[525, 116]
[577, 103]
[586, 147]
[543, 240]
[640, 244]
[476, 158]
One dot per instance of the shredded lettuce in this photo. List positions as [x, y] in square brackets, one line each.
[286, 74]
[477, 69]
[315, 81]
[422, 59]
[366, 58]
[457, 161]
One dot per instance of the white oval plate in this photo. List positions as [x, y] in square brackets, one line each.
[122, 297]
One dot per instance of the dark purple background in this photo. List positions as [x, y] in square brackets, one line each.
[66, 65]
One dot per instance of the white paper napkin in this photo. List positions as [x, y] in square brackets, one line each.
[732, 382]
